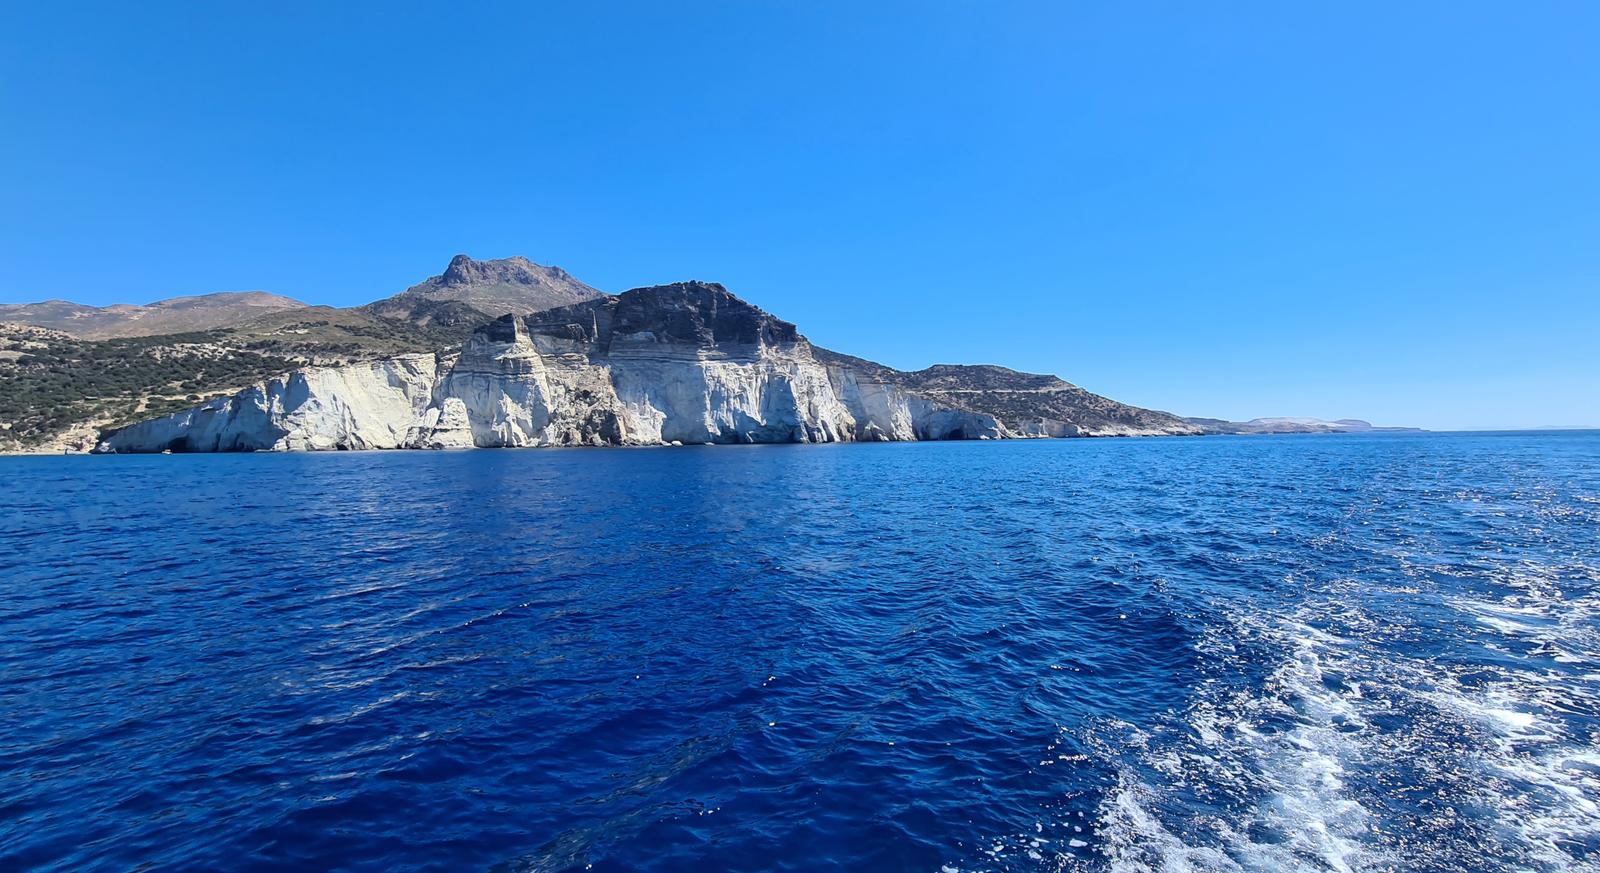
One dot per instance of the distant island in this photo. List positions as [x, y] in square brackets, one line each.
[506, 353]
[1295, 425]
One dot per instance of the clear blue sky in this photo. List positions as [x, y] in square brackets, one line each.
[1380, 210]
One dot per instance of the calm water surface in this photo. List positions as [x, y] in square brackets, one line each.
[1297, 653]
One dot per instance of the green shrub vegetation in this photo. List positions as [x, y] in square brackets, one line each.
[48, 385]
[46, 390]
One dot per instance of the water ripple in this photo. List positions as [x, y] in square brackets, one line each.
[1320, 654]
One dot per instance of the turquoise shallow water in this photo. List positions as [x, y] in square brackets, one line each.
[1289, 653]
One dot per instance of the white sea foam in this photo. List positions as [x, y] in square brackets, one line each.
[1137, 840]
[1360, 752]
[1499, 745]
[1289, 747]
[1539, 779]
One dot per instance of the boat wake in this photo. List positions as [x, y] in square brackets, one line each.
[1353, 756]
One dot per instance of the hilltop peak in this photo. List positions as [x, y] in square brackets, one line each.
[466, 270]
[470, 291]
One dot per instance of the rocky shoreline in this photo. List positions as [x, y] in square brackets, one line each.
[563, 364]
[675, 364]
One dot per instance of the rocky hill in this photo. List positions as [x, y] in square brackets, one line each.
[67, 370]
[1040, 405]
[506, 353]
[467, 294]
[58, 391]
[682, 363]
[470, 292]
[176, 315]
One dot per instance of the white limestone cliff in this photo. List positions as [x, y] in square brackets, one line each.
[884, 411]
[688, 363]
[358, 406]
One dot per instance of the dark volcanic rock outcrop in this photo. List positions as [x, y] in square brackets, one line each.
[703, 315]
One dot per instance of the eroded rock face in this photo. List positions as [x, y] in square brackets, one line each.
[1018, 404]
[684, 363]
[357, 406]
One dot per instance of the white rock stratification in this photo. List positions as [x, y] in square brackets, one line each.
[685, 363]
[370, 405]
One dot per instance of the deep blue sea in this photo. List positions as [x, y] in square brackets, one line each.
[1328, 653]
